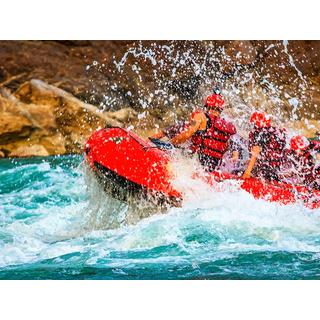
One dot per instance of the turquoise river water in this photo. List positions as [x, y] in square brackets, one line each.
[55, 223]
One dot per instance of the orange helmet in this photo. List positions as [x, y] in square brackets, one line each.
[299, 143]
[215, 101]
[260, 119]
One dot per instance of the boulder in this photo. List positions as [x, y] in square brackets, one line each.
[44, 115]
[148, 77]
[65, 105]
[123, 115]
[241, 52]
[29, 151]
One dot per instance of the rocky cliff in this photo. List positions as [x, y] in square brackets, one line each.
[54, 93]
[39, 119]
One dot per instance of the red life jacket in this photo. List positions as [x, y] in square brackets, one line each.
[315, 145]
[303, 165]
[213, 141]
[272, 142]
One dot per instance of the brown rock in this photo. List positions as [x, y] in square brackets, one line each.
[64, 103]
[2, 155]
[29, 151]
[46, 60]
[153, 77]
[305, 54]
[43, 115]
[13, 123]
[123, 115]
[75, 120]
[241, 52]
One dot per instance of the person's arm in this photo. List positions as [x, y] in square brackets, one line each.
[255, 151]
[195, 125]
[235, 156]
[158, 135]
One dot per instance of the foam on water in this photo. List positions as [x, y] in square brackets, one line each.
[50, 220]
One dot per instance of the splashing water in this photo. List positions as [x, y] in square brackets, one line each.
[173, 78]
[55, 223]
[291, 61]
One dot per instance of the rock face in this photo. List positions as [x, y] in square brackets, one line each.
[25, 151]
[121, 74]
[39, 119]
[60, 63]
[84, 85]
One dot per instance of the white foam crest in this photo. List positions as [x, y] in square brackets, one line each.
[236, 217]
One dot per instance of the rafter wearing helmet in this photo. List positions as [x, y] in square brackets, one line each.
[266, 146]
[299, 163]
[208, 132]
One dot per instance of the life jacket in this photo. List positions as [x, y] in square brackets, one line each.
[316, 176]
[301, 165]
[213, 141]
[315, 145]
[272, 142]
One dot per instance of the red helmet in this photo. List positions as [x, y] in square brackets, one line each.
[215, 101]
[299, 143]
[260, 119]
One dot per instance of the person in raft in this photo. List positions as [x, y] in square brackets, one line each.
[266, 146]
[315, 145]
[299, 163]
[235, 159]
[314, 149]
[207, 132]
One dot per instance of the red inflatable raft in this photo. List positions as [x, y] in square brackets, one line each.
[129, 166]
